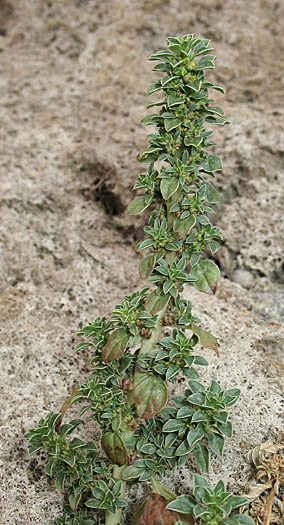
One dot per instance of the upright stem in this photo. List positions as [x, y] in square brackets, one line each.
[110, 518]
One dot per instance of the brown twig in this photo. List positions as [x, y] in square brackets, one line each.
[65, 407]
[269, 507]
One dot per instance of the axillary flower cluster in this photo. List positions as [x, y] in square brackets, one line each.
[142, 433]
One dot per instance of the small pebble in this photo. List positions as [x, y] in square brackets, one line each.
[243, 277]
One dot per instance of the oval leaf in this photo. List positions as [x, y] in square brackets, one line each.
[115, 448]
[115, 345]
[216, 443]
[172, 123]
[211, 193]
[155, 303]
[132, 472]
[184, 226]
[205, 338]
[139, 204]
[214, 162]
[207, 274]
[150, 394]
[201, 455]
[168, 187]
[183, 504]
[146, 266]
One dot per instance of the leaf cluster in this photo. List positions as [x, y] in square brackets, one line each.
[211, 506]
[196, 423]
[76, 466]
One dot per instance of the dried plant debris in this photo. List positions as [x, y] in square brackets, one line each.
[266, 496]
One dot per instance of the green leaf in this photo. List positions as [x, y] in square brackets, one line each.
[150, 394]
[201, 455]
[207, 276]
[239, 519]
[77, 443]
[92, 503]
[114, 447]
[199, 511]
[215, 110]
[195, 435]
[148, 449]
[206, 62]
[116, 422]
[172, 371]
[215, 387]
[170, 439]
[35, 447]
[214, 246]
[173, 101]
[195, 386]
[154, 87]
[158, 488]
[168, 187]
[183, 449]
[132, 472]
[172, 123]
[160, 55]
[195, 85]
[139, 204]
[211, 193]
[216, 443]
[50, 466]
[200, 481]
[213, 163]
[146, 266]
[74, 500]
[199, 417]
[150, 119]
[205, 338]
[183, 504]
[225, 428]
[115, 345]
[207, 84]
[200, 49]
[185, 412]
[237, 501]
[167, 79]
[174, 425]
[167, 286]
[197, 399]
[199, 360]
[190, 373]
[184, 226]
[59, 481]
[155, 303]
[203, 219]
[194, 259]
[231, 396]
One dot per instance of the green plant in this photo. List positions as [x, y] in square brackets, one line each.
[127, 393]
[210, 506]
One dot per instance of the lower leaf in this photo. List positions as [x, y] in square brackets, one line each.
[114, 447]
[208, 275]
[150, 394]
[153, 511]
[115, 345]
[216, 443]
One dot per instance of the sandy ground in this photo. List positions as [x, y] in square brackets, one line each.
[73, 81]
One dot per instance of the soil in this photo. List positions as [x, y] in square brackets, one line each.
[73, 82]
